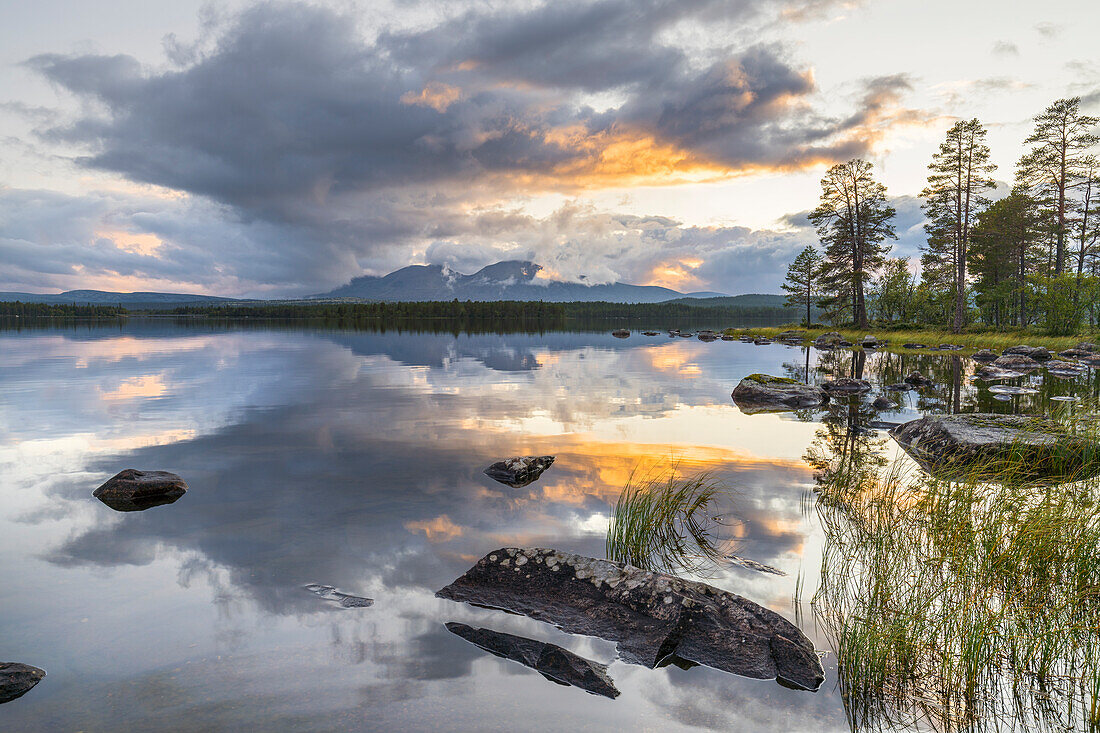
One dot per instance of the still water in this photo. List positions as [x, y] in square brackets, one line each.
[354, 459]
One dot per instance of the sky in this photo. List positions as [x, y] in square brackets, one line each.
[280, 149]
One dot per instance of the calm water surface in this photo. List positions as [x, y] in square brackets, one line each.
[355, 459]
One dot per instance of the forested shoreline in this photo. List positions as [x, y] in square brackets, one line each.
[1030, 259]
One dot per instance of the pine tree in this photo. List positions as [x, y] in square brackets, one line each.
[853, 220]
[1005, 252]
[801, 285]
[1060, 155]
[953, 198]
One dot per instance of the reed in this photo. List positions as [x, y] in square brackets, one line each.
[666, 522]
[972, 603]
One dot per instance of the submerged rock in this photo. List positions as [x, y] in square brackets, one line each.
[984, 356]
[847, 384]
[132, 490]
[983, 445]
[914, 346]
[918, 380]
[882, 403]
[900, 387]
[17, 679]
[344, 600]
[653, 617]
[551, 661]
[620, 333]
[519, 471]
[990, 372]
[1011, 389]
[762, 392]
[650, 333]
[949, 347]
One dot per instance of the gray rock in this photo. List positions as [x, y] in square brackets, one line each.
[829, 340]
[1074, 353]
[1088, 346]
[1038, 353]
[847, 384]
[949, 347]
[914, 346]
[761, 341]
[791, 335]
[990, 372]
[650, 333]
[882, 403]
[984, 356]
[519, 471]
[551, 661]
[763, 392]
[1016, 362]
[917, 380]
[132, 490]
[981, 445]
[653, 617]
[17, 679]
[620, 333]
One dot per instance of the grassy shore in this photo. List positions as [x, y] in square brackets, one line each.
[972, 340]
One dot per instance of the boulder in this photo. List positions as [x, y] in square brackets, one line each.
[829, 340]
[519, 471]
[620, 333]
[132, 490]
[654, 618]
[17, 679]
[882, 403]
[984, 356]
[763, 392]
[649, 333]
[990, 446]
[847, 384]
[708, 336]
[1074, 353]
[728, 337]
[1088, 346]
[1038, 353]
[1016, 362]
[914, 346]
[762, 341]
[551, 661]
[918, 380]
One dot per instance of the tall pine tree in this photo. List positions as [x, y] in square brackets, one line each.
[1061, 153]
[802, 285]
[853, 221]
[957, 181]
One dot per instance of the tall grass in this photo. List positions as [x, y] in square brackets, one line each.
[970, 604]
[667, 522]
[933, 337]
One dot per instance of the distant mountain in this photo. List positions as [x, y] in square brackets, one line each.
[510, 280]
[103, 297]
[752, 300]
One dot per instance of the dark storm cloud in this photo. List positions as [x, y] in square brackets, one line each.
[323, 153]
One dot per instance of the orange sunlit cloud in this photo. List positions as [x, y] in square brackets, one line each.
[146, 386]
[440, 529]
[435, 94]
[141, 243]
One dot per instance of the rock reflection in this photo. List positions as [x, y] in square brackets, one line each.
[556, 664]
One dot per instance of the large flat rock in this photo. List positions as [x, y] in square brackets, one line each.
[765, 393]
[141, 486]
[653, 617]
[983, 445]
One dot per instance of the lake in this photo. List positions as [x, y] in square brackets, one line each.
[355, 459]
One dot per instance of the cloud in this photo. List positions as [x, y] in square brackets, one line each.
[1005, 48]
[321, 154]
